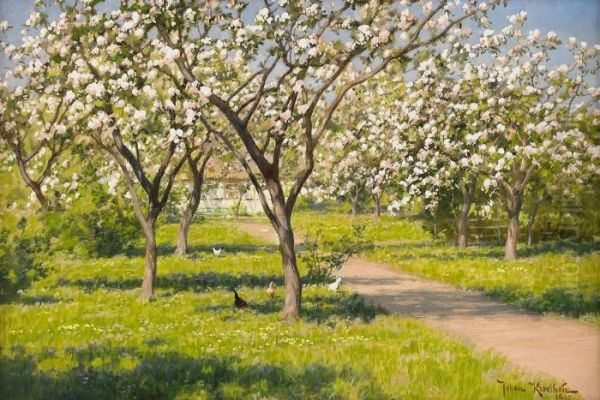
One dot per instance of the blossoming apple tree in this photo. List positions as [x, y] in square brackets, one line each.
[135, 115]
[289, 78]
[361, 151]
[523, 114]
[39, 116]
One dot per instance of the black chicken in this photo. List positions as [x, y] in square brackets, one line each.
[238, 302]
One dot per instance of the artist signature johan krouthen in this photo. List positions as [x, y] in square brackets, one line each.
[554, 390]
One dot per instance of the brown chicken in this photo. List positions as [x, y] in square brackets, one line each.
[271, 290]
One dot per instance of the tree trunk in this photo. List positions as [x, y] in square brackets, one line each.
[377, 204]
[354, 203]
[184, 229]
[193, 203]
[531, 221]
[512, 237]
[467, 192]
[186, 220]
[150, 269]
[463, 221]
[239, 203]
[291, 275]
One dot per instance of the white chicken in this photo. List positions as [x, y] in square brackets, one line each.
[217, 252]
[335, 285]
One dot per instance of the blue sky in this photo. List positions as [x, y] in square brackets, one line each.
[579, 18]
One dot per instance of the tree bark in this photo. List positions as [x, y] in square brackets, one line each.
[531, 220]
[36, 187]
[239, 203]
[512, 237]
[377, 204]
[281, 221]
[467, 192]
[463, 224]
[150, 268]
[354, 203]
[354, 208]
[184, 226]
[291, 275]
[193, 203]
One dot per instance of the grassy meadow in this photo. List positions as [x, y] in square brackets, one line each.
[555, 277]
[82, 333]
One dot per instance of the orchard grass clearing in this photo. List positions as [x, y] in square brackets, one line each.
[206, 235]
[332, 226]
[561, 278]
[554, 277]
[81, 332]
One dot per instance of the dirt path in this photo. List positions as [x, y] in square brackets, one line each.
[563, 348]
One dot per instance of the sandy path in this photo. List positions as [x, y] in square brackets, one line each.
[563, 348]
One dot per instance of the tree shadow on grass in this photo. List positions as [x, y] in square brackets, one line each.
[561, 300]
[450, 252]
[35, 300]
[317, 308]
[196, 251]
[177, 282]
[200, 282]
[166, 375]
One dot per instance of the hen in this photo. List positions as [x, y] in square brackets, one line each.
[271, 290]
[335, 285]
[238, 302]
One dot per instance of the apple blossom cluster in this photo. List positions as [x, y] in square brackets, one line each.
[362, 154]
[502, 121]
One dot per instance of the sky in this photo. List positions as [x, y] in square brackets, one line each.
[579, 18]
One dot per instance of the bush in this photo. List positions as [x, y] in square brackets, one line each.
[97, 233]
[320, 266]
[20, 260]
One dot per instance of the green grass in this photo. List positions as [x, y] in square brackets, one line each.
[333, 226]
[82, 333]
[564, 281]
[557, 277]
[207, 234]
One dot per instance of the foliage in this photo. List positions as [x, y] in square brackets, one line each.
[98, 233]
[20, 260]
[320, 266]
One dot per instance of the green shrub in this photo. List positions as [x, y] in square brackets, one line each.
[97, 233]
[320, 266]
[19, 260]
